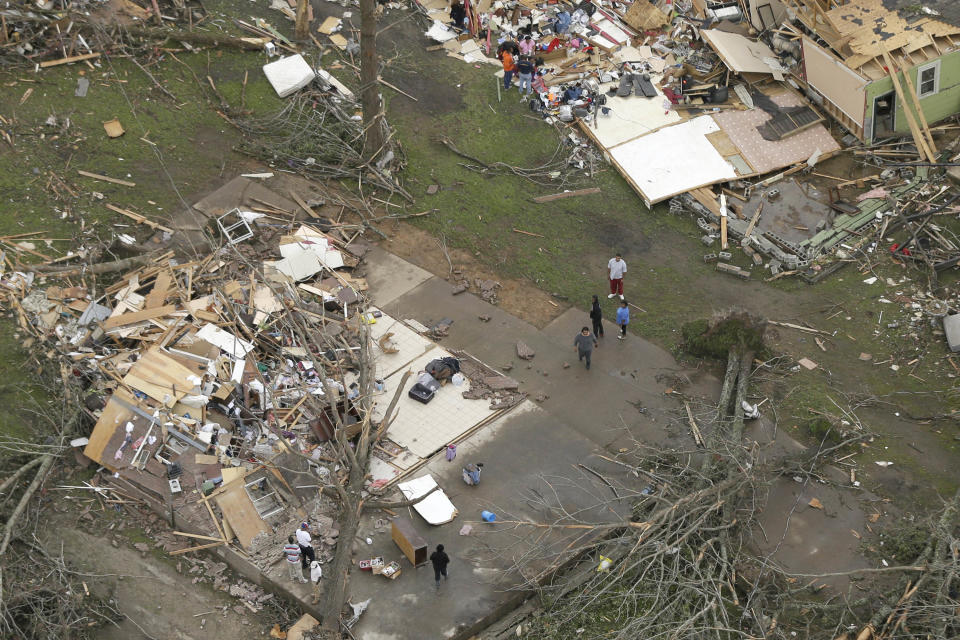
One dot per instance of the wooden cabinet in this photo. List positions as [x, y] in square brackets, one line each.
[409, 541]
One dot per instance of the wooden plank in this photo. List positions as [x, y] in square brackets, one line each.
[198, 536]
[239, 511]
[139, 218]
[753, 220]
[914, 128]
[566, 194]
[916, 105]
[125, 183]
[693, 425]
[54, 63]
[303, 204]
[138, 316]
[199, 548]
[161, 289]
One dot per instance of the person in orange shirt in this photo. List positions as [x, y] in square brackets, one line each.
[509, 67]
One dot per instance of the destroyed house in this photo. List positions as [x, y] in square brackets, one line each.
[881, 67]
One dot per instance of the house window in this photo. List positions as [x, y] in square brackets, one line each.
[928, 79]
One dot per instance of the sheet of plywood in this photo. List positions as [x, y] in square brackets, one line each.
[436, 508]
[238, 510]
[834, 80]
[630, 117]
[304, 624]
[740, 54]
[161, 377]
[114, 416]
[673, 160]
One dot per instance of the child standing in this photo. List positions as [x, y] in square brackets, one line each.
[623, 319]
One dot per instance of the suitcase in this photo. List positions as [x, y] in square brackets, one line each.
[421, 393]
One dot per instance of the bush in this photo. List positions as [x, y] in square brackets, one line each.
[713, 338]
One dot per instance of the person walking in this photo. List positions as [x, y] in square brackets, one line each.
[584, 343]
[596, 316]
[623, 319]
[439, 559]
[315, 574]
[509, 67]
[616, 267]
[291, 551]
[305, 540]
[525, 71]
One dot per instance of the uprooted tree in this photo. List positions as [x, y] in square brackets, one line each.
[683, 561]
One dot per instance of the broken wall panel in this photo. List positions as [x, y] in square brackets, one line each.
[832, 79]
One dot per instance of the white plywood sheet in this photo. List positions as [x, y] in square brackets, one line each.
[741, 54]
[631, 117]
[436, 508]
[611, 30]
[673, 159]
[835, 81]
[224, 340]
[288, 75]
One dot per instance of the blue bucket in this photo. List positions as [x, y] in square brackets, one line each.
[488, 516]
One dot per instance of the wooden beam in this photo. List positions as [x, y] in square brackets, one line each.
[139, 218]
[911, 122]
[753, 220]
[54, 63]
[96, 176]
[920, 117]
[196, 535]
[138, 316]
[303, 205]
[566, 194]
[198, 548]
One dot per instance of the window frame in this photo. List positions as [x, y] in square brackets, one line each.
[935, 66]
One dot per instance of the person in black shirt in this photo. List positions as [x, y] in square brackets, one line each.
[596, 315]
[439, 559]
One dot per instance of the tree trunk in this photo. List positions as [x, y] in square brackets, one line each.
[302, 26]
[336, 594]
[369, 85]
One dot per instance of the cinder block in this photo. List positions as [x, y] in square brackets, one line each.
[725, 255]
[951, 326]
[710, 257]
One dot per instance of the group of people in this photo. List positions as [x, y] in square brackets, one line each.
[300, 554]
[517, 59]
[586, 341]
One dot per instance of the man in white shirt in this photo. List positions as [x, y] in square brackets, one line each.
[305, 540]
[615, 270]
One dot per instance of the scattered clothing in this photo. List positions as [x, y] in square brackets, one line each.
[439, 559]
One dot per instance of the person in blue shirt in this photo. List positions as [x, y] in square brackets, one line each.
[623, 319]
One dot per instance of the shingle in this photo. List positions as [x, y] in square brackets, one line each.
[948, 10]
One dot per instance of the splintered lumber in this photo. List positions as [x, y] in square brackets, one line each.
[54, 63]
[139, 218]
[566, 194]
[911, 122]
[753, 220]
[138, 316]
[693, 425]
[198, 548]
[303, 205]
[925, 128]
[96, 176]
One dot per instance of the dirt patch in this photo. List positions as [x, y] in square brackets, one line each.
[519, 297]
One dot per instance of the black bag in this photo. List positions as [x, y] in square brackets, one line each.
[421, 393]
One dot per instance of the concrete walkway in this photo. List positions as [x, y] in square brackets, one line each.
[530, 456]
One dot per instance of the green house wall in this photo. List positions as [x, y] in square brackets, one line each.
[940, 105]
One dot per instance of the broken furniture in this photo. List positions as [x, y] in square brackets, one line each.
[409, 541]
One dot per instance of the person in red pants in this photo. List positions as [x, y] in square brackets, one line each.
[615, 270]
